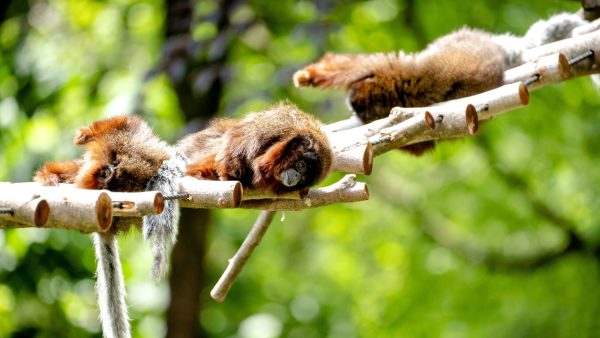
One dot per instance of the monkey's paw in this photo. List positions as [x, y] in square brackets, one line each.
[45, 177]
[302, 78]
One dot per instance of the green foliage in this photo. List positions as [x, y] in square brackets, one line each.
[430, 255]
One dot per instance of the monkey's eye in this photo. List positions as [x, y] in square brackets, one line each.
[105, 174]
[300, 167]
[113, 156]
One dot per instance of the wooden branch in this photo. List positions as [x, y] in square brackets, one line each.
[92, 210]
[570, 47]
[587, 28]
[22, 209]
[349, 123]
[452, 119]
[357, 160]
[220, 290]
[344, 191]
[76, 209]
[206, 194]
[137, 204]
[256, 194]
[547, 70]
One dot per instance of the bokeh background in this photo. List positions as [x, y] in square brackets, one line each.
[492, 236]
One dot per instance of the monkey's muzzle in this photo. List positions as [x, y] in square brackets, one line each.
[290, 177]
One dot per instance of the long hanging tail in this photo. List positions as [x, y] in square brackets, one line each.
[110, 287]
[161, 230]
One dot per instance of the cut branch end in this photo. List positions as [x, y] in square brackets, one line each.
[104, 212]
[368, 159]
[429, 120]
[238, 192]
[41, 213]
[472, 119]
[523, 93]
[565, 69]
[159, 203]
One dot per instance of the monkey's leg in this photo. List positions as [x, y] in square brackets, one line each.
[53, 173]
[110, 287]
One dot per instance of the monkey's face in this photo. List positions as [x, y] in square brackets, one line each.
[303, 172]
[116, 171]
[293, 164]
[122, 154]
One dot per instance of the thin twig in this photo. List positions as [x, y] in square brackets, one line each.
[236, 264]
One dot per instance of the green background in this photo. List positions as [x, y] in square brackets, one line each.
[492, 236]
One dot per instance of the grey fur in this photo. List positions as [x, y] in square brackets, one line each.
[161, 230]
[555, 28]
[110, 287]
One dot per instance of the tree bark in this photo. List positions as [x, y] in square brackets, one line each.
[198, 105]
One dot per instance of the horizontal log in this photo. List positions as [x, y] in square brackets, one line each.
[77, 209]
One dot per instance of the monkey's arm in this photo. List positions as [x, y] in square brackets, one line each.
[53, 173]
[204, 168]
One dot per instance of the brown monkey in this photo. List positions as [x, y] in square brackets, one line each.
[122, 154]
[280, 150]
[462, 63]
[457, 65]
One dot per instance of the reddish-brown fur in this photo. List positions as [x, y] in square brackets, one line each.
[460, 64]
[257, 149]
[53, 173]
[122, 154]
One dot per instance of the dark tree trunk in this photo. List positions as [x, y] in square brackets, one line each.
[186, 62]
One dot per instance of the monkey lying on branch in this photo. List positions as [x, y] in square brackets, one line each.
[280, 150]
[460, 64]
[123, 154]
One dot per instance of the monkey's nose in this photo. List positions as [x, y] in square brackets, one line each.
[290, 177]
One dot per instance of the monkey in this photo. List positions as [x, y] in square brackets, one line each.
[279, 150]
[122, 154]
[460, 64]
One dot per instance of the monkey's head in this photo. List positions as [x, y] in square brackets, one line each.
[122, 154]
[294, 163]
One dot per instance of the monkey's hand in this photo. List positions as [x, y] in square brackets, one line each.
[332, 71]
[53, 173]
[204, 169]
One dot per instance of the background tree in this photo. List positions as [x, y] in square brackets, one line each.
[492, 236]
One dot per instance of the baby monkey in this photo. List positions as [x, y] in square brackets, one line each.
[279, 150]
[122, 154]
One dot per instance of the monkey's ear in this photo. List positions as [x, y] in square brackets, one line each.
[84, 135]
[107, 126]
